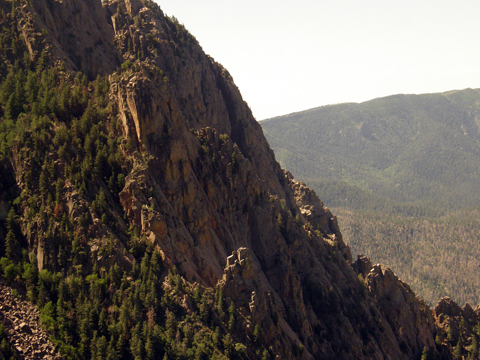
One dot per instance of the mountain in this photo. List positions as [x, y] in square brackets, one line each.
[411, 149]
[144, 214]
[402, 174]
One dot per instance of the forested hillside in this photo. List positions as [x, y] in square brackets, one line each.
[143, 213]
[60, 199]
[394, 169]
[436, 256]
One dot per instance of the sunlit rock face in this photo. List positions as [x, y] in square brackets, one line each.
[205, 190]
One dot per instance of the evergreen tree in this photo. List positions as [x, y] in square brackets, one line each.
[232, 317]
[474, 350]
[12, 245]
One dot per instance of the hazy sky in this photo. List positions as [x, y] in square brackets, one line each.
[288, 56]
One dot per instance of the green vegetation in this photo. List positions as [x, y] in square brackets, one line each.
[8, 351]
[120, 315]
[85, 221]
[62, 134]
[396, 165]
[407, 149]
[436, 256]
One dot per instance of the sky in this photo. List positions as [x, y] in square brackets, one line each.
[289, 56]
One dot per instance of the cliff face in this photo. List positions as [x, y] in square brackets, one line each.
[76, 32]
[203, 188]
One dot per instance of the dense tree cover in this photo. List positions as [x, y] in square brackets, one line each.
[337, 193]
[63, 136]
[436, 256]
[129, 315]
[402, 174]
[406, 148]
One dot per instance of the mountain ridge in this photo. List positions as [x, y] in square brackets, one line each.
[147, 216]
[362, 102]
[391, 164]
[379, 141]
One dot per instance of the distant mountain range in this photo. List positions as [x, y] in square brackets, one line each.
[402, 156]
[410, 149]
[144, 216]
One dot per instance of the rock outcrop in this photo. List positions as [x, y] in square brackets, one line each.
[78, 33]
[456, 325]
[203, 189]
[409, 317]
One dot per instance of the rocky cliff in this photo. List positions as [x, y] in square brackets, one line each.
[159, 160]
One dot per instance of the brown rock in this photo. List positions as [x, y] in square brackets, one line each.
[79, 35]
[25, 328]
[363, 265]
[447, 306]
[205, 190]
[409, 317]
[469, 313]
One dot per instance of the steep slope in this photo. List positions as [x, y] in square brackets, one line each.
[139, 205]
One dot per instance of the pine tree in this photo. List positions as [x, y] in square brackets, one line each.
[12, 246]
[265, 355]
[101, 348]
[30, 274]
[170, 325]
[227, 345]
[204, 308]
[150, 349]
[232, 318]
[424, 353]
[474, 347]
[219, 300]
[111, 351]
[257, 332]
[459, 350]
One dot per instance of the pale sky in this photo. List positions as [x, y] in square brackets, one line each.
[289, 56]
